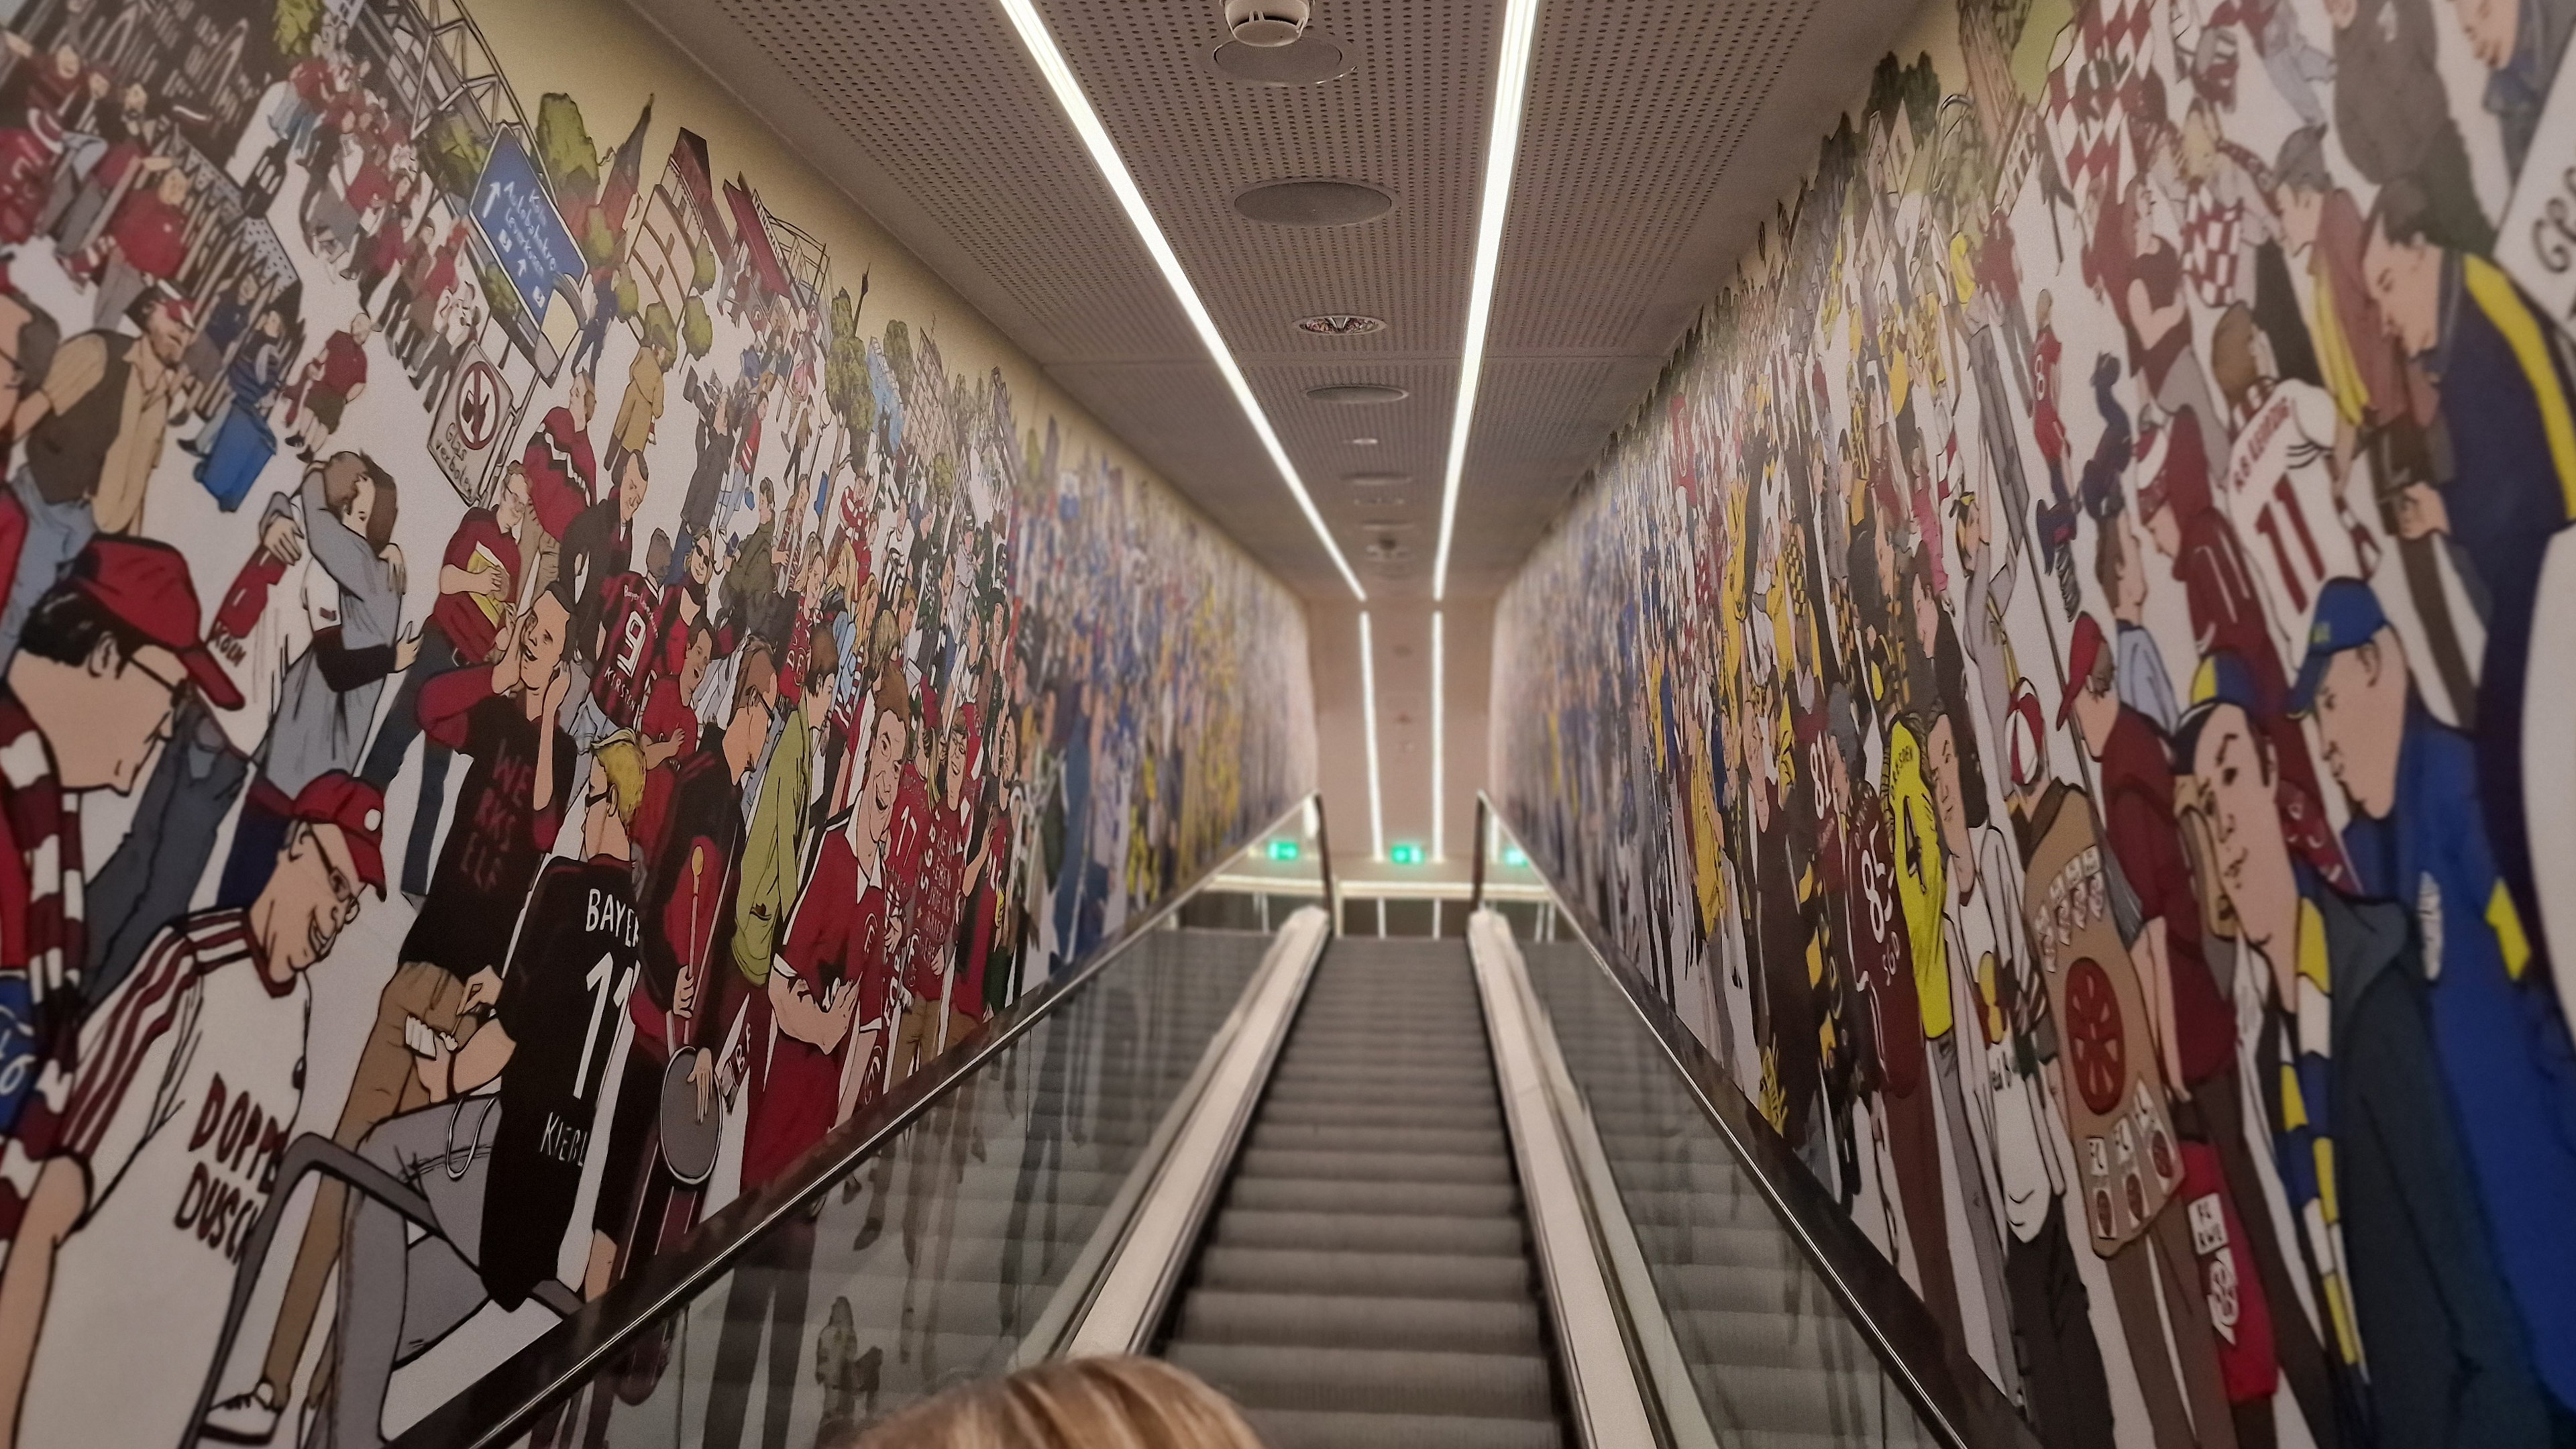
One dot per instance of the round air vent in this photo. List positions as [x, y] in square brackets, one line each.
[1314, 59]
[1341, 324]
[1352, 393]
[1313, 203]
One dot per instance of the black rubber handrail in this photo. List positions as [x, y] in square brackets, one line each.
[506, 1401]
[1958, 1403]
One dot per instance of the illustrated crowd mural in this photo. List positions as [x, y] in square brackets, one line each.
[500, 631]
[2065, 687]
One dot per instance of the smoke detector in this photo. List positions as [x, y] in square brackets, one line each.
[1266, 23]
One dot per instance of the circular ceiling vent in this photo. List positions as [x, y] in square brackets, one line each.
[1341, 324]
[1313, 203]
[1357, 392]
[1314, 59]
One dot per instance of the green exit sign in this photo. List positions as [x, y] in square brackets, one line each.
[1514, 855]
[1404, 854]
[1283, 850]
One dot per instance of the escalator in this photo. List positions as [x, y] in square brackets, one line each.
[1410, 1194]
[1367, 1281]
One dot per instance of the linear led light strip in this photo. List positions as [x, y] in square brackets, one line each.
[1041, 46]
[1502, 151]
[1368, 709]
[1439, 723]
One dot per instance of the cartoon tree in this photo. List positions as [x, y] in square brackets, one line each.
[453, 155]
[566, 154]
[898, 352]
[659, 329]
[697, 329]
[702, 266]
[845, 368]
[298, 22]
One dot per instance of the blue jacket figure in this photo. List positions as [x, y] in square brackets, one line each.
[2419, 840]
[2508, 398]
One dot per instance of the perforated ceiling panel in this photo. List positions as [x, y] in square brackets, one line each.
[1659, 133]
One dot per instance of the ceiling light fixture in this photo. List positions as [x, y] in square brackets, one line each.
[1439, 722]
[1502, 152]
[1050, 61]
[1368, 708]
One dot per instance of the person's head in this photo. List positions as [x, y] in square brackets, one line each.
[634, 480]
[67, 61]
[173, 187]
[2091, 699]
[2356, 682]
[958, 755]
[822, 674]
[169, 325]
[28, 337]
[362, 495]
[768, 500]
[540, 645]
[702, 558]
[695, 658]
[1074, 1403]
[616, 791]
[333, 853]
[361, 327]
[889, 742]
[2402, 266]
[2240, 357]
[755, 703]
[1960, 809]
[2492, 26]
[105, 657]
[2230, 760]
[2300, 184]
[657, 556]
[582, 398]
[511, 510]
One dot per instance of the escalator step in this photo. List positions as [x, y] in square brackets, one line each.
[1307, 1429]
[1376, 1381]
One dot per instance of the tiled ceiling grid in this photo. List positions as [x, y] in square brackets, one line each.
[1659, 133]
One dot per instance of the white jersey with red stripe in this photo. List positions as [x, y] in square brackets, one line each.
[189, 1078]
[2279, 492]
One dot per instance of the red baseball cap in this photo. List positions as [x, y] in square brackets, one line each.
[339, 798]
[2081, 655]
[145, 585]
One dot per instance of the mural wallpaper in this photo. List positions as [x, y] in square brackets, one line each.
[2065, 688]
[498, 622]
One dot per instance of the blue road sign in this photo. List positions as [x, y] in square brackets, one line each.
[519, 220]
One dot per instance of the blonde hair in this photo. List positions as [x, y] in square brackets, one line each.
[622, 760]
[1081, 1403]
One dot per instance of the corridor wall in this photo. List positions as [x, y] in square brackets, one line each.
[539, 644]
[2063, 688]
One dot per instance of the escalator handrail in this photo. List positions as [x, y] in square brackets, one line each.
[1974, 1415]
[506, 1400]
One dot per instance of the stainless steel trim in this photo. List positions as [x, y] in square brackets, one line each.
[1895, 1362]
[1154, 1247]
[1601, 1383]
